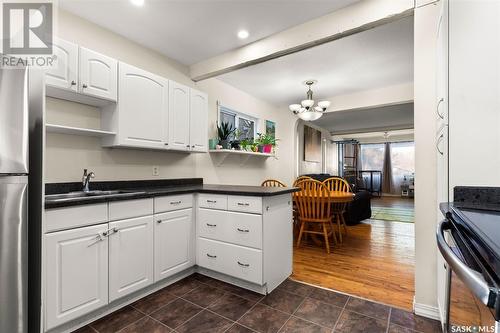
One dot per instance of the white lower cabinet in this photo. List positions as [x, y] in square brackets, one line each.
[76, 273]
[130, 256]
[237, 261]
[174, 239]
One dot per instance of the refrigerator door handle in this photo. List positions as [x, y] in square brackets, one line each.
[473, 279]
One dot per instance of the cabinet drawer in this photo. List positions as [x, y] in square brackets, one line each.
[72, 217]
[237, 228]
[214, 201]
[121, 210]
[236, 261]
[173, 202]
[244, 204]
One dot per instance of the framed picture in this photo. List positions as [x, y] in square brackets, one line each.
[271, 128]
[312, 144]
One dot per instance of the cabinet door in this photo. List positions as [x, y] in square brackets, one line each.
[130, 256]
[76, 273]
[174, 242]
[178, 115]
[142, 108]
[98, 75]
[64, 73]
[198, 136]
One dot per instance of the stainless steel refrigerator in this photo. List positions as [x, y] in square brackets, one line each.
[21, 122]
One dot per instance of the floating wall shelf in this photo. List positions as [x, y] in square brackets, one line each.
[77, 131]
[245, 155]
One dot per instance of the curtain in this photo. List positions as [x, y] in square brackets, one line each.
[387, 183]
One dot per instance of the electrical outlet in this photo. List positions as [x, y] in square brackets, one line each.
[156, 170]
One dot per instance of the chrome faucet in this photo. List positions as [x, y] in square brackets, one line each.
[86, 180]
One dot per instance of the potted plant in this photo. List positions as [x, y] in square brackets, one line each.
[235, 144]
[224, 131]
[244, 144]
[266, 143]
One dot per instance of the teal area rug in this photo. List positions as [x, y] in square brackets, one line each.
[398, 214]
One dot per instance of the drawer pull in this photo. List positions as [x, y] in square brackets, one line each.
[211, 225]
[243, 265]
[175, 202]
[246, 204]
[243, 230]
[211, 256]
[97, 239]
[159, 221]
[212, 201]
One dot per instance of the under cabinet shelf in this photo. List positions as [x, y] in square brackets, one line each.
[52, 128]
[245, 155]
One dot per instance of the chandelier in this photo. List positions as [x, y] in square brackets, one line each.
[306, 109]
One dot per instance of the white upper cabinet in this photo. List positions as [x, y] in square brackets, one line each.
[179, 119]
[174, 242]
[198, 136]
[98, 75]
[141, 115]
[76, 273]
[130, 256]
[64, 72]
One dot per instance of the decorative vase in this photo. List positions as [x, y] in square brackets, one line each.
[260, 148]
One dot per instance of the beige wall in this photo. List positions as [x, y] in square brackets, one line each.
[67, 155]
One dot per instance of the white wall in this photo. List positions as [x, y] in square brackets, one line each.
[67, 155]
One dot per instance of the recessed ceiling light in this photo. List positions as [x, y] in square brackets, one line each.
[137, 3]
[243, 34]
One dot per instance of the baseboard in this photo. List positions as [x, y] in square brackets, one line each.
[427, 311]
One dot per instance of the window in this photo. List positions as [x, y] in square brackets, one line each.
[245, 124]
[402, 162]
[372, 156]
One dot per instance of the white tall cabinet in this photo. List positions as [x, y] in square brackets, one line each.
[467, 104]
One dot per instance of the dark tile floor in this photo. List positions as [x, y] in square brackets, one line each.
[199, 304]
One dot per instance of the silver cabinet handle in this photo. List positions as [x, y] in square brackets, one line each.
[439, 140]
[166, 143]
[188, 146]
[473, 279]
[246, 204]
[84, 86]
[109, 232]
[98, 238]
[73, 83]
[175, 202]
[211, 225]
[243, 230]
[193, 146]
[243, 265]
[211, 256]
[437, 108]
[212, 201]
[159, 221]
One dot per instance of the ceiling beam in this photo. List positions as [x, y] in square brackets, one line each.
[361, 16]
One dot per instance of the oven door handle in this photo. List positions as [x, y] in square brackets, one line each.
[473, 279]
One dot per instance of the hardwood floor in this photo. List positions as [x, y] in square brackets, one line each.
[376, 261]
[393, 202]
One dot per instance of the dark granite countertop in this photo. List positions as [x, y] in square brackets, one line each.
[152, 188]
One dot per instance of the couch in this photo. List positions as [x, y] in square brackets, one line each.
[359, 209]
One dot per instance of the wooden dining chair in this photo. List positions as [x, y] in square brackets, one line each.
[337, 184]
[301, 178]
[272, 183]
[314, 207]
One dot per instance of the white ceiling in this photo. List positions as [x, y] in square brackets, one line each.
[193, 30]
[368, 120]
[376, 58]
